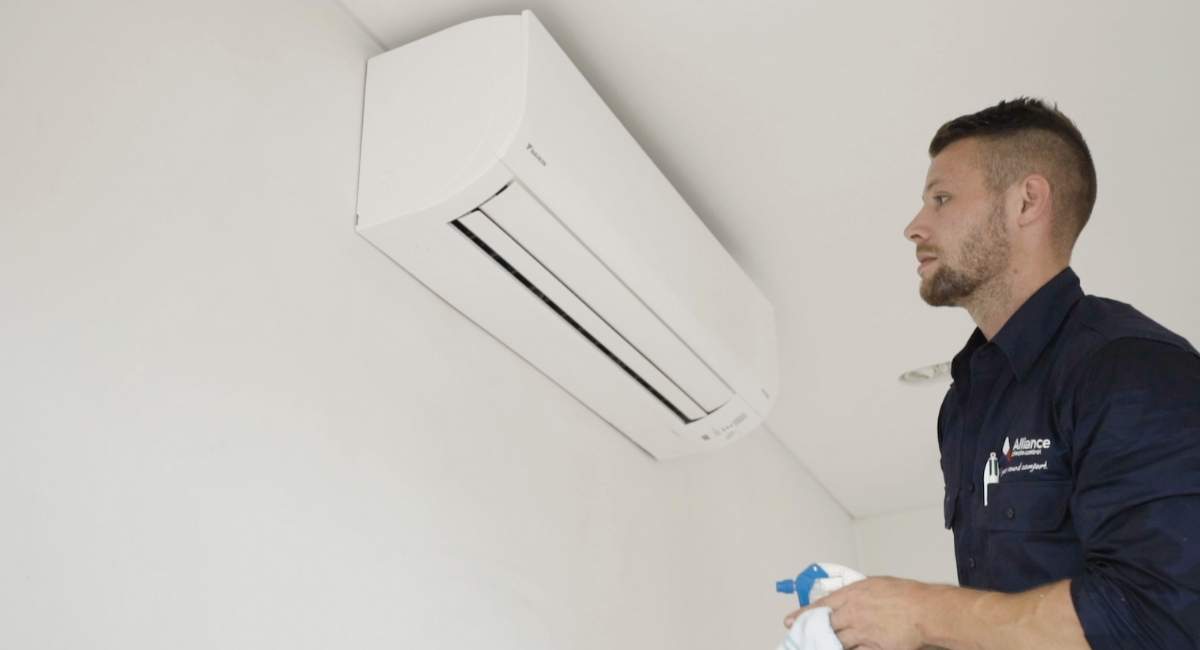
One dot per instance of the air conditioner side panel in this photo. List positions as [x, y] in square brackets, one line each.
[436, 112]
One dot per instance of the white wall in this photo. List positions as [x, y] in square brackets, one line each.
[227, 422]
[912, 544]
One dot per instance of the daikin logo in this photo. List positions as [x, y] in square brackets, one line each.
[533, 152]
[1025, 447]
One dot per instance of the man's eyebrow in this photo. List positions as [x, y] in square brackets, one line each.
[932, 183]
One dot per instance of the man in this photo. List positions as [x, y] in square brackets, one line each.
[1070, 437]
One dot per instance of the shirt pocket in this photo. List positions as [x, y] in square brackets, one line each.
[1028, 506]
[1029, 538]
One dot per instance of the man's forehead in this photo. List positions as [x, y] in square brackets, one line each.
[956, 162]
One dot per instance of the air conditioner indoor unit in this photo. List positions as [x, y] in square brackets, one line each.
[493, 173]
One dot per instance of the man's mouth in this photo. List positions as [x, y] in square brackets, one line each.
[924, 262]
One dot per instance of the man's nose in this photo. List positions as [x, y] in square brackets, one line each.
[917, 230]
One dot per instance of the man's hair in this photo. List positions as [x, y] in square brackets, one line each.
[1026, 136]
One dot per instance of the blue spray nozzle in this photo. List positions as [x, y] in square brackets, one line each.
[803, 584]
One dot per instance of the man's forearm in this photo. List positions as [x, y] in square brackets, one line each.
[968, 619]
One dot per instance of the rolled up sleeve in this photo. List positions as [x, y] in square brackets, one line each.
[1135, 448]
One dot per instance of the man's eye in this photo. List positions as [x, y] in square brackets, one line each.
[941, 199]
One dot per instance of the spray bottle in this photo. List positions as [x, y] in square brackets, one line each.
[812, 629]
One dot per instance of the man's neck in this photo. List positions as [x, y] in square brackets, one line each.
[995, 302]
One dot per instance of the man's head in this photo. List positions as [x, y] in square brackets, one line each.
[1012, 185]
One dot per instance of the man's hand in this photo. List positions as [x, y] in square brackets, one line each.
[896, 614]
[875, 613]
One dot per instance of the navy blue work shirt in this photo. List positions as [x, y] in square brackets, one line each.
[1070, 448]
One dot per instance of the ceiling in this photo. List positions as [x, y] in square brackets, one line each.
[797, 131]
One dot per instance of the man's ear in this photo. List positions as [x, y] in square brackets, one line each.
[1034, 193]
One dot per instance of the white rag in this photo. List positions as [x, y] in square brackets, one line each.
[812, 631]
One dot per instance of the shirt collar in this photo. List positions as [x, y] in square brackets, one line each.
[1027, 332]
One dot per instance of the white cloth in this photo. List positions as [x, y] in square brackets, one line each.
[812, 631]
[839, 576]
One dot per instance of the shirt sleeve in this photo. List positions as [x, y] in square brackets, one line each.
[1136, 504]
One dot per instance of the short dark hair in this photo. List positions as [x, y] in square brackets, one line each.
[1026, 135]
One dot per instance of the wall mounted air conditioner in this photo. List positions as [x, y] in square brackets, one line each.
[493, 173]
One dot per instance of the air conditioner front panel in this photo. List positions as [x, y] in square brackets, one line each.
[541, 233]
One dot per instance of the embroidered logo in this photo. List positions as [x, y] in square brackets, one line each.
[1025, 447]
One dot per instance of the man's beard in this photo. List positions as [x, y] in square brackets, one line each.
[984, 255]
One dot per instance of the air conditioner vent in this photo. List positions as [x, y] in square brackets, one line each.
[511, 257]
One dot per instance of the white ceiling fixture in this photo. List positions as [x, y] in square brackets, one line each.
[936, 374]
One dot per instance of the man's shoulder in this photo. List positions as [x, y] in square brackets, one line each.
[1101, 332]
[1101, 321]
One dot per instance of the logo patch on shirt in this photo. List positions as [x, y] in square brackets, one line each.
[1025, 447]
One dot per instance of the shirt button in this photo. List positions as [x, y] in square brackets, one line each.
[971, 488]
[970, 563]
[1010, 513]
